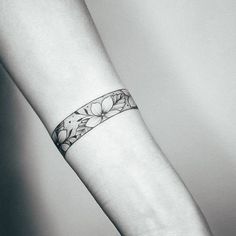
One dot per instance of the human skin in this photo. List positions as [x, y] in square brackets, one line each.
[53, 53]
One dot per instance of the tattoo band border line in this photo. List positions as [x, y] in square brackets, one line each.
[87, 117]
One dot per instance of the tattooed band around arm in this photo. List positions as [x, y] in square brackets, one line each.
[89, 116]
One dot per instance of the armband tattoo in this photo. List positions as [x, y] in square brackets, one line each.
[89, 116]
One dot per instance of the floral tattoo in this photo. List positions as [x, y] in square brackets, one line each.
[89, 116]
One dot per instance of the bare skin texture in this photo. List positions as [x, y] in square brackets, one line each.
[52, 51]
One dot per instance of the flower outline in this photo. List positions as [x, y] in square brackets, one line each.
[101, 111]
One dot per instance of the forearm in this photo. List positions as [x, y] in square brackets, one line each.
[54, 54]
[133, 182]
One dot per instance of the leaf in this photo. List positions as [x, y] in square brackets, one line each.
[72, 139]
[65, 146]
[62, 135]
[116, 98]
[59, 126]
[119, 104]
[70, 133]
[126, 92]
[84, 121]
[80, 130]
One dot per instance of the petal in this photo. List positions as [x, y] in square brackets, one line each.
[62, 136]
[93, 121]
[112, 113]
[65, 146]
[54, 137]
[132, 102]
[96, 109]
[107, 104]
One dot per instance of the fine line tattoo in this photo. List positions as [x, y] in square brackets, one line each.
[89, 116]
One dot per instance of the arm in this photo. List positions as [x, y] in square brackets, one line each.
[53, 52]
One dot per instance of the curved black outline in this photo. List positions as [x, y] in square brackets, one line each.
[73, 127]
